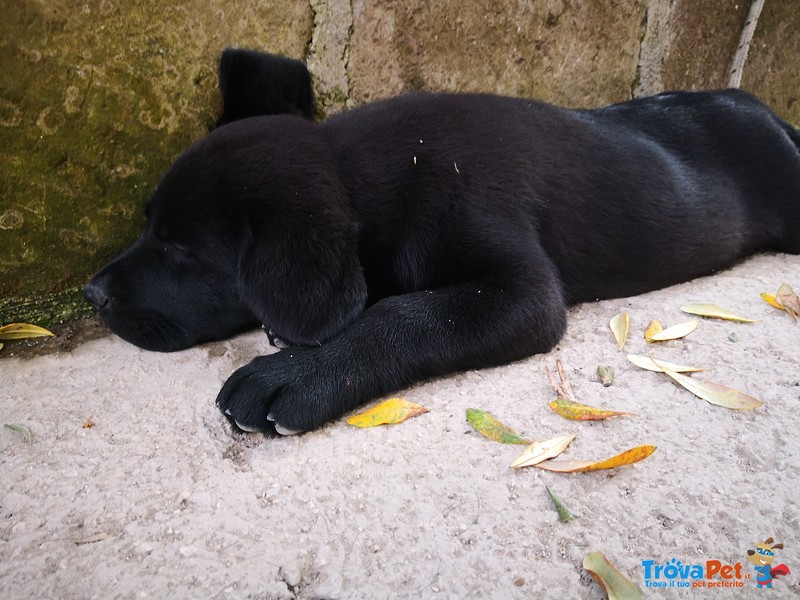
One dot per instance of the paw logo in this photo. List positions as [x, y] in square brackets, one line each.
[762, 558]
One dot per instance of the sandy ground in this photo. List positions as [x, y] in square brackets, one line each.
[168, 502]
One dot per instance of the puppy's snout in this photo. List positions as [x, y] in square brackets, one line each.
[96, 293]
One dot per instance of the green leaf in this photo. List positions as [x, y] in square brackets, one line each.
[493, 429]
[26, 433]
[616, 585]
[563, 512]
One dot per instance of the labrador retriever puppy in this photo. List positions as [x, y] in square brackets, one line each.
[433, 233]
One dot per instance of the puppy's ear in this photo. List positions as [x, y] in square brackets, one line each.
[299, 272]
[255, 83]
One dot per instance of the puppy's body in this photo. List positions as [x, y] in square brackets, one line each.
[623, 200]
[433, 233]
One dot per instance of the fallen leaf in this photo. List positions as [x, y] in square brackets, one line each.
[564, 513]
[713, 393]
[540, 451]
[606, 375]
[788, 300]
[619, 327]
[569, 409]
[493, 429]
[628, 457]
[615, 584]
[394, 410]
[18, 331]
[26, 433]
[652, 329]
[97, 537]
[645, 362]
[714, 312]
[562, 389]
[674, 333]
[771, 300]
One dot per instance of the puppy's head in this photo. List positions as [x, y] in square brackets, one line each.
[250, 226]
[177, 284]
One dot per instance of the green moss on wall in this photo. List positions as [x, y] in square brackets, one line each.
[96, 99]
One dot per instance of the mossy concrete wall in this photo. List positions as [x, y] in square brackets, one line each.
[97, 97]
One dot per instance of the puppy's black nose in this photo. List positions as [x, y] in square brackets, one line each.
[96, 293]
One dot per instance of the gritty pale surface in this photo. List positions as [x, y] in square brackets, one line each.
[180, 507]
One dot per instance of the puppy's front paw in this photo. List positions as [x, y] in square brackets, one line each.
[285, 393]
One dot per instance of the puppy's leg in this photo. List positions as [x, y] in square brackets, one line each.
[398, 341]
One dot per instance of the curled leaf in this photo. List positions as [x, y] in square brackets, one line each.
[714, 393]
[19, 331]
[606, 375]
[628, 457]
[615, 584]
[26, 433]
[674, 333]
[619, 327]
[569, 409]
[394, 410]
[562, 388]
[653, 328]
[564, 513]
[493, 429]
[541, 451]
[645, 362]
[785, 299]
[788, 300]
[714, 312]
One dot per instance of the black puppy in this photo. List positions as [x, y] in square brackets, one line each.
[433, 233]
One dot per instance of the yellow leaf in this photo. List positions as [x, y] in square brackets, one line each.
[394, 410]
[713, 393]
[570, 409]
[645, 362]
[493, 429]
[18, 331]
[675, 332]
[714, 312]
[652, 329]
[619, 327]
[771, 300]
[628, 457]
[615, 584]
[541, 451]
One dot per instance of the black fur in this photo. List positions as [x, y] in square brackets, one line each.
[254, 84]
[433, 233]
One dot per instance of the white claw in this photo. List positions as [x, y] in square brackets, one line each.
[247, 428]
[284, 431]
[270, 417]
